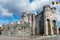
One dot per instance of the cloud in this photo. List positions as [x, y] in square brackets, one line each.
[36, 5]
[4, 12]
[58, 16]
[10, 7]
[58, 12]
[18, 6]
[15, 6]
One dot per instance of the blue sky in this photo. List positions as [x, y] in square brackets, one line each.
[10, 10]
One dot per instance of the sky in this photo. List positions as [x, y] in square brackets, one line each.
[11, 10]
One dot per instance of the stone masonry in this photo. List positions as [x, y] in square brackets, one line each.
[43, 23]
[46, 21]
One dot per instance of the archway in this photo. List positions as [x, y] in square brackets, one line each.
[54, 27]
[49, 27]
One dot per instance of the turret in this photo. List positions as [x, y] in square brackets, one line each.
[49, 8]
[46, 8]
[53, 9]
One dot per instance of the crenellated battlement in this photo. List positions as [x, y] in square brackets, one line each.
[49, 8]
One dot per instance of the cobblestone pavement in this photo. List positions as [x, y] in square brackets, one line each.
[54, 37]
[57, 37]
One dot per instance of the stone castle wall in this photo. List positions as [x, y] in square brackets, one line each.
[43, 23]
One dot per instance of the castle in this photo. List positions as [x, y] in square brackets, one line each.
[43, 23]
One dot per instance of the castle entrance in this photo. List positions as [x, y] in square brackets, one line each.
[49, 27]
[54, 27]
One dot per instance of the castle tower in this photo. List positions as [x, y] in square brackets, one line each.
[50, 20]
[30, 19]
[46, 21]
[24, 18]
